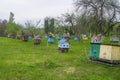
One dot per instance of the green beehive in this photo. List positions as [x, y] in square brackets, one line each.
[94, 50]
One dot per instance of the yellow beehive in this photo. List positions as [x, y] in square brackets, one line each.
[105, 52]
[115, 53]
[110, 52]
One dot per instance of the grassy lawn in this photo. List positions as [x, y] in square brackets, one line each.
[25, 61]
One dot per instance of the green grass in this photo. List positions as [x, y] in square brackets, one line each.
[25, 61]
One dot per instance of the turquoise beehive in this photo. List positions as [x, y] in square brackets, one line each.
[94, 50]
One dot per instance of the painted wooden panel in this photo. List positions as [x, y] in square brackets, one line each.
[110, 52]
[94, 50]
[105, 52]
[115, 53]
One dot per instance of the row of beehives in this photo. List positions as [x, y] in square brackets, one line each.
[63, 43]
[37, 39]
[105, 52]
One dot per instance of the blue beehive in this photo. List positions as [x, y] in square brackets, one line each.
[63, 45]
[29, 37]
[62, 41]
[76, 38]
[59, 37]
[51, 40]
[46, 37]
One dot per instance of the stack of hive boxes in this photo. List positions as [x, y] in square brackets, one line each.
[105, 52]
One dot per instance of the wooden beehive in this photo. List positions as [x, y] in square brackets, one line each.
[110, 52]
[94, 50]
[24, 38]
[36, 41]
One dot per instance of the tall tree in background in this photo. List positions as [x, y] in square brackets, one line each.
[66, 23]
[81, 26]
[12, 28]
[32, 28]
[3, 24]
[52, 22]
[70, 18]
[100, 15]
[49, 25]
[46, 26]
[60, 25]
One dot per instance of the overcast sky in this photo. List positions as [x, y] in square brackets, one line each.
[33, 9]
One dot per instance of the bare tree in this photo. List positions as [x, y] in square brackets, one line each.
[31, 28]
[70, 18]
[101, 13]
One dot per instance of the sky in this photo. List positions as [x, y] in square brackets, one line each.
[33, 9]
